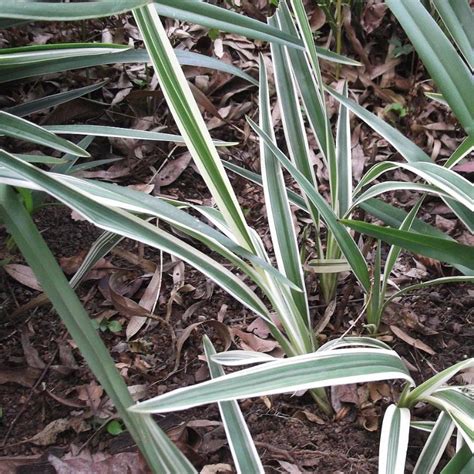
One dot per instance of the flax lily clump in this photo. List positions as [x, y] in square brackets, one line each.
[122, 212]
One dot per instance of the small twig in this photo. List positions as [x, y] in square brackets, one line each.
[30, 396]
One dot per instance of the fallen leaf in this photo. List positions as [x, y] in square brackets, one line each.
[23, 274]
[25, 377]
[49, 434]
[341, 394]
[172, 170]
[217, 469]
[31, 354]
[251, 342]
[411, 340]
[289, 467]
[121, 463]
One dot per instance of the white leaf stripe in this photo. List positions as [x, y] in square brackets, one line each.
[128, 225]
[189, 120]
[240, 440]
[280, 221]
[319, 369]
[394, 440]
[435, 445]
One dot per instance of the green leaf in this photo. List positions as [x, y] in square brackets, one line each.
[461, 463]
[105, 131]
[435, 445]
[280, 220]
[53, 11]
[319, 369]
[343, 158]
[423, 244]
[466, 147]
[190, 122]
[52, 100]
[394, 440]
[342, 236]
[295, 198]
[427, 388]
[292, 119]
[411, 152]
[393, 216]
[114, 427]
[79, 60]
[159, 451]
[128, 225]
[21, 129]
[222, 19]
[241, 444]
[458, 17]
[27, 55]
[458, 403]
[309, 83]
[425, 284]
[440, 58]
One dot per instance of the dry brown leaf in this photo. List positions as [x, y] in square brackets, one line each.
[147, 301]
[172, 170]
[251, 342]
[310, 416]
[100, 463]
[341, 394]
[411, 340]
[49, 434]
[25, 377]
[289, 467]
[23, 274]
[372, 16]
[217, 469]
[220, 328]
[14, 464]
[91, 394]
[31, 354]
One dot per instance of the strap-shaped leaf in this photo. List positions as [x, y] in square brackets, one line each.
[162, 455]
[440, 249]
[79, 60]
[279, 214]
[106, 131]
[212, 16]
[389, 186]
[435, 445]
[190, 122]
[309, 80]
[53, 11]
[458, 403]
[290, 109]
[343, 158]
[22, 129]
[425, 284]
[394, 440]
[27, 55]
[128, 225]
[461, 463]
[346, 243]
[33, 106]
[407, 148]
[394, 216]
[237, 358]
[241, 444]
[453, 78]
[458, 17]
[427, 388]
[319, 369]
